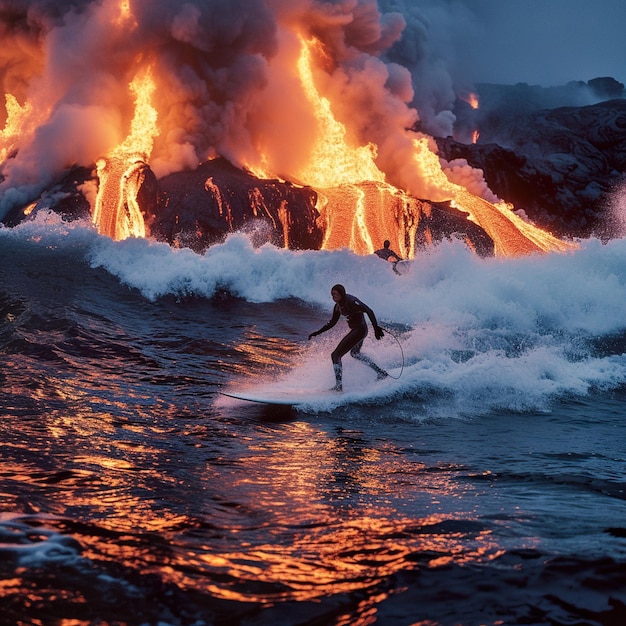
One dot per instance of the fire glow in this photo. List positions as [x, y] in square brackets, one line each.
[191, 102]
[472, 100]
[335, 165]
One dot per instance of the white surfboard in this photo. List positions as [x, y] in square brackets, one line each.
[288, 397]
[315, 397]
[402, 267]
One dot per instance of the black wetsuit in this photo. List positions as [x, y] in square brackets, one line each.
[386, 253]
[354, 310]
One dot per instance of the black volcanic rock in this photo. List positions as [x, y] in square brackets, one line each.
[606, 88]
[522, 98]
[560, 166]
[441, 221]
[64, 197]
[200, 207]
[146, 187]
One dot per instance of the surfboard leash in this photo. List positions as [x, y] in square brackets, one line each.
[401, 352]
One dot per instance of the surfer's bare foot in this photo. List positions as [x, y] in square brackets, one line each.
[381, 375]
[336, 388]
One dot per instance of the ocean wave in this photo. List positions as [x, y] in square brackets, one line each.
[486, 333]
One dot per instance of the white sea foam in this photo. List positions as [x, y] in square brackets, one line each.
[33, 544]
[490, 332]
[447, 285]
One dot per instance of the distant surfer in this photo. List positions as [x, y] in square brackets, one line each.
[387, 254]
[353, 309]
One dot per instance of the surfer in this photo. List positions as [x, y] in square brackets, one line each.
[387, 254]
[353, 309]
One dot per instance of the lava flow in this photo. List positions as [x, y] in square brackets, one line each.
[16, 123]
[117, 212]
[360, 209]
[356, 204]
[298, 90]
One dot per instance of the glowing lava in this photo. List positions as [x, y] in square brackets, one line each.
[332, 162]
[369, 172]
[473, 101]
[20, 123]
[10, 134]
[117, 212]
[359, 209]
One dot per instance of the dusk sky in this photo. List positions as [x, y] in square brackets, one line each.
[544, 42]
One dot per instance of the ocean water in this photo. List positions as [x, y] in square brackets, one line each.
[485, 483]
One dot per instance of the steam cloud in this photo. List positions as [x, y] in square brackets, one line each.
[226, 78]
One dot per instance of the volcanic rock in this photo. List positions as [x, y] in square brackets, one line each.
[200, 207]
[66, 197]
[440, 221]
[560, 166]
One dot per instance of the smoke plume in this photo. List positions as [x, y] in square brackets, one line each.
[226, 82]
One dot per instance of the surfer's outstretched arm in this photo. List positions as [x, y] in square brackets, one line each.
[333, 320]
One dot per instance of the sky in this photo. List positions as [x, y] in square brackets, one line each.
[543, 42]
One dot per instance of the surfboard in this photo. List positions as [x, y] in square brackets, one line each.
[289, 398]
[295, 396]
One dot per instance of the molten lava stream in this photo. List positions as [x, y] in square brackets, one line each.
[117, 213]
[511, 235]
[361, 216]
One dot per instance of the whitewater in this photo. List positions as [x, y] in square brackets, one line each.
[483, 484]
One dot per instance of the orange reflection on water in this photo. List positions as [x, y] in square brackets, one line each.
[256, 350]
[286, 511]
[365, 613]
[338, 557]
[311, 515]
[317, 532]
[9, 585]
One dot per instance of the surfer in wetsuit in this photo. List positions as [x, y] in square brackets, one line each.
[353, 309]
[387, 254]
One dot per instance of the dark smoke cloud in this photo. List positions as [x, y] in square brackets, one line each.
[73, 61]
[428, 49]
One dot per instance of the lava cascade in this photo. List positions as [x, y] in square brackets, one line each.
[212, 87]
[117, 212]
[359, 215]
